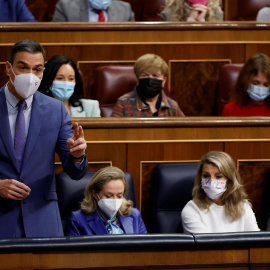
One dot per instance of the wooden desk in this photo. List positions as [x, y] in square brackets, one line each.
[241, 251]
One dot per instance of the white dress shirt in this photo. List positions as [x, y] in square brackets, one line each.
[215, 220]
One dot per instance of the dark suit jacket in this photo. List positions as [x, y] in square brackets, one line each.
[15, 11]
[49, 128]
[77, 11]
[83, 224]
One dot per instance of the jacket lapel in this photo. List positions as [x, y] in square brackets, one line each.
[84, 12]
[127, 224]
[5, 132]
[96, 224]
[111, 14]
[34, 126]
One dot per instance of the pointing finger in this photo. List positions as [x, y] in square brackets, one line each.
[81, 134]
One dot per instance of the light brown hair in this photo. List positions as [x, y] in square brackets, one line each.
[234, 196]
[100, 178]
[150, 63]
[179, 14]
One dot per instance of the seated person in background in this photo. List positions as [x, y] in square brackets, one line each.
[192, 10]
[219, 200]
[263, 14]
[104, 210]
[15, 11]
[61, 79]
[93, 11]
[148, 99]
[250, 96]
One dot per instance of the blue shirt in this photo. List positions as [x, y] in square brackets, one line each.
[93, 15]
[12, 108]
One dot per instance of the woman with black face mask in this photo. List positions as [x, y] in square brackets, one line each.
[148, 99]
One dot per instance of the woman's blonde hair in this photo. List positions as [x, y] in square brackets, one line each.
[100, 178]
[179, 14]
[234, 196]
[151, 63]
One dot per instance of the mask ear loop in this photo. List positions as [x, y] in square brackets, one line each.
[98, 198]
[13, 74]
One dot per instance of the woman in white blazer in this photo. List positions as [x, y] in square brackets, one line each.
[61, 80]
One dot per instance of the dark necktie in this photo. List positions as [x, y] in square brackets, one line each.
[20, 133]
[101, 16]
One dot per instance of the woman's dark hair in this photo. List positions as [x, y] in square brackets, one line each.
[258, 62]
[51, 69]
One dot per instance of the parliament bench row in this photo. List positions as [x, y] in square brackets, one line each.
[148, 10]
[171, 189]
[149, 251]
[111, 82]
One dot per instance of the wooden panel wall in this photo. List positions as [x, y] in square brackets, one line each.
[237, 259]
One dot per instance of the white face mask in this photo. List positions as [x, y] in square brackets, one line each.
[214, 188]
[110, 206]
[26, 84]
[258, 93]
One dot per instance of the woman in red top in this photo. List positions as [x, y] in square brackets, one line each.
[251, 94]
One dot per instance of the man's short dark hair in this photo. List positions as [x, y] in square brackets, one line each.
[26, 45]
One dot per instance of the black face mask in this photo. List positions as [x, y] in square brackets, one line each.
[149, 87]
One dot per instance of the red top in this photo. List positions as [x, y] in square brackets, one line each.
[232, 109]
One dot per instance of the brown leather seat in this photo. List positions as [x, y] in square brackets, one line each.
[152, 9]
[137, 8]
[110, 83]
[248, 9]
[227, 79]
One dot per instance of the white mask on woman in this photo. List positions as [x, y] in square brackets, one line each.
[213, 188]
[110, 206]
[258, 93]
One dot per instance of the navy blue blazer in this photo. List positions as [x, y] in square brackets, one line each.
[83, 224]
[15, 11]
[50, 127]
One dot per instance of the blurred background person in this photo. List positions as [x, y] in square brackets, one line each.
[192, 10]
[15, 11]
[263, 14]
[104, 210]
[219, 200]
[61, 80]
[92, 11]
[250, 96]
[148, 99]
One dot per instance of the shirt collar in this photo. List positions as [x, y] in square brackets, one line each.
[13, 101]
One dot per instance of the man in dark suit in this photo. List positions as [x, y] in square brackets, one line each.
[88, 11]
[33, 128]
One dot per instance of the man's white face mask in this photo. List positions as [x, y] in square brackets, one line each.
[26, 84]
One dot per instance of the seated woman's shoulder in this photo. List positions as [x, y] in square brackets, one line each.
[88, 101]
[135, 212]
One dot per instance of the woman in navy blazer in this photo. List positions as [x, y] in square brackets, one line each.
[104, 209]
